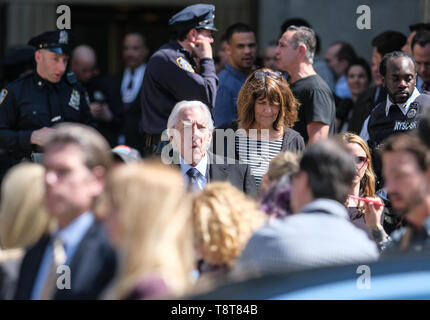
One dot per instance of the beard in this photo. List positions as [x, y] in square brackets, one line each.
[415, 199]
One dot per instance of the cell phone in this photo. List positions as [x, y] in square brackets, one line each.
[366, 200]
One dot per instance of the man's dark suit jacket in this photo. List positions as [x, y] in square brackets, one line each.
[239, 175]
[92, 267]
[131, 116]
[363, 106]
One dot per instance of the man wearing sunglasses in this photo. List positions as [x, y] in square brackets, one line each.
[182, 69]
[295, 54]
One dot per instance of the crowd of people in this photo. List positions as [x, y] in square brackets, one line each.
[182, 173]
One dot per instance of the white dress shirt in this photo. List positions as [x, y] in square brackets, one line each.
[364, 134]
[128, 95]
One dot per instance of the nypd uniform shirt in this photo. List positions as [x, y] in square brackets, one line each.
[387, 118]
[31, 103]
[170, 77]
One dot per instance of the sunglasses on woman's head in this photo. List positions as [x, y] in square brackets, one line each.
[273, 74]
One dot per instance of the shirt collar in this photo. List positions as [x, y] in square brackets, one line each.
[41, 83]
[201, 166]
[403, 107]
[73, 233]
[136, 74]
[236, 73]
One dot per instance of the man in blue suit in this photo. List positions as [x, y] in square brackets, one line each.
[76, 261]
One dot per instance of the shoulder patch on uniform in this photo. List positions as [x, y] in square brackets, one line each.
[184, 64]
[3, 95]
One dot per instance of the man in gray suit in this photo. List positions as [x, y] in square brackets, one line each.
[189, 128]
[319, 232]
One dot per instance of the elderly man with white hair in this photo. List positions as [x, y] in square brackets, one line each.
[190, 127]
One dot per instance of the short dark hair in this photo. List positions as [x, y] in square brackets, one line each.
[422, 37]
[389, 41]
[394, 55]
[237, 28]
[180, 36]
[330, 168]
[419, 26]
[363, 63]
[407, 142]
[346, 51]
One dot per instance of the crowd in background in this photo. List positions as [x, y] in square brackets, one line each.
[181, 174]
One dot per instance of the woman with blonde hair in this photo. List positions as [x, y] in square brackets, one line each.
[23, 219]
[224, 219]
[266, 110]
[365, 214]
[149, 222]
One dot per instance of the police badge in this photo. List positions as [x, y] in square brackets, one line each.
[75, 100]
[64, 38]
[412, 110]
[3, 95]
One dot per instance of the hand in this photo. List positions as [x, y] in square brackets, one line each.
[373, 213]
[39, 137]
[101, 111]
[202, 48]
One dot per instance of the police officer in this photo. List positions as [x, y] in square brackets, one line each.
[398, 113]
[182, 69]
[31, 105]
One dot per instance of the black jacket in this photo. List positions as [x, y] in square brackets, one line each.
[92, 267]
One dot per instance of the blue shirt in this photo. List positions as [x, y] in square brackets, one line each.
[322, 68]
[230, 83]
[342, 90]
[71, 236]
[202, 167]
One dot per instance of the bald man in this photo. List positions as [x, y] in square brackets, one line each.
[103, 106]
[83, 63]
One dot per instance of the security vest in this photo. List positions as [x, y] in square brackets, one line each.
[381, 126]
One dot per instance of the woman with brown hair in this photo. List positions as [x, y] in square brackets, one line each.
[366, 214]
[266, 111]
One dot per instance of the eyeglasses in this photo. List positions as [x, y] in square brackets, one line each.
[360, 160]
[272, 74]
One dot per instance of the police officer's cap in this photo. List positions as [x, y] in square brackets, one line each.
[58, 41]
[197, 16]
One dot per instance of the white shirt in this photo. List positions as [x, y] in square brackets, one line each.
[364, 134]
[128, 95]
[201, 167]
